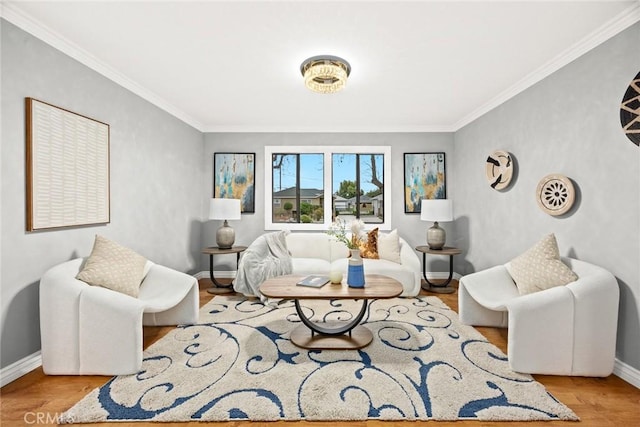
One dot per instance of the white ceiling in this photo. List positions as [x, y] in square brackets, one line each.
[234, 65]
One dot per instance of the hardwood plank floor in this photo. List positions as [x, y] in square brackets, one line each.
[36, 399]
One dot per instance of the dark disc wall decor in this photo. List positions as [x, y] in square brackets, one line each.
[630, 111]
[499, 169]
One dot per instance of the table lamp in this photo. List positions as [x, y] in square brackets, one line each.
[436, 210]
[225, 209]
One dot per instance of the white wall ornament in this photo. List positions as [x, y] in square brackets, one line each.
[499, 169]
[555, 194]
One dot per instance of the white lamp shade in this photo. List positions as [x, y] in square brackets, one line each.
[224, 209]
[436, 210]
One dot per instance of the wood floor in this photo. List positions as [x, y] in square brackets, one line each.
[36, 399]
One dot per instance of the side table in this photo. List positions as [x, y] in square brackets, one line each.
[441, 288]
[219, 288]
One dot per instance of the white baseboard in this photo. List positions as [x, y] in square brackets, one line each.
[216, 274]
[20, 368]
[627, 373]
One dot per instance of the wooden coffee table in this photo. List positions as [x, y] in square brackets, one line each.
[339, 335]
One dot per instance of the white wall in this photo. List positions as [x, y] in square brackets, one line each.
[156, 171]
[568, 123]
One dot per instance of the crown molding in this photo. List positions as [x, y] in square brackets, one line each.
[54, 39]
[328, 129]
[616, 25]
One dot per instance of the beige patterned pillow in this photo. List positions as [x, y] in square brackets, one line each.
[389, 246]
[540, 268]
[114, 267]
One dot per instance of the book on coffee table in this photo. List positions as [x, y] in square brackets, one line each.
[314, 281]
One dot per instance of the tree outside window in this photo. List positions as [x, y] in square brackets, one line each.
[308, 187]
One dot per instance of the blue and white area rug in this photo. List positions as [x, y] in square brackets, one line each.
[238, 364]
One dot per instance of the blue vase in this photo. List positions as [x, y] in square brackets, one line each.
[355, 273]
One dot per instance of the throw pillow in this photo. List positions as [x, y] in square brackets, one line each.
[369, 249]
[114, 267]
[540, 268]
[389, 246]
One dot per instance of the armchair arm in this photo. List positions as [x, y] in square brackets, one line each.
[408, 257]
[110, 332]
[59, 296]
[541, 332]
[595, 323]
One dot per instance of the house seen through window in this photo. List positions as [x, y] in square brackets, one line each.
[312, 188]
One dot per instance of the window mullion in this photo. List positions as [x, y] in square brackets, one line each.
[357, 185]
[298, 205]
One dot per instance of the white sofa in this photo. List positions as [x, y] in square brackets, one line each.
[91, 330]
[564, 330]
[319, 253]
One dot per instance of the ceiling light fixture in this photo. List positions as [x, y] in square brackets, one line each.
[325, 73]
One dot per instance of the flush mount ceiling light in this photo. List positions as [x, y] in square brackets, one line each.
[325, 73]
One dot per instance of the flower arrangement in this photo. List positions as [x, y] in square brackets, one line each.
[339, 230]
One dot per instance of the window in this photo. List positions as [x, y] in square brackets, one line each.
[358, 186]
[298, 181]
[354, 182]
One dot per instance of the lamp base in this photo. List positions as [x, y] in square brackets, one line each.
[436, 237]
[225, 236]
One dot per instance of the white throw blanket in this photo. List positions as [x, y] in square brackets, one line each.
[265, 258]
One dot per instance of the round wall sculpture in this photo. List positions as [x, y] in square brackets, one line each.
[555, 194]
[499, 169]
[630, 111]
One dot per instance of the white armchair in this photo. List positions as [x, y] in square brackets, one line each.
[564, 330]
[91, 330]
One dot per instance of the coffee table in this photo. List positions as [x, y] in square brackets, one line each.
[338, 335]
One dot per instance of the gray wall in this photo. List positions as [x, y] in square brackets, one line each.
[156, 163]
[568, 124]
[252, 225]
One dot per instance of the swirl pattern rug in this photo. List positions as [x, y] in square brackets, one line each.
[238, 364]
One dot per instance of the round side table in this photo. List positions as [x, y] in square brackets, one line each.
[440, 288]
[219, 288]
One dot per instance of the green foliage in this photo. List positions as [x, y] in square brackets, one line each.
[288, 206]
[375, 192]
[306, 208]
[318, 213]
[347, 189]
[305, 219]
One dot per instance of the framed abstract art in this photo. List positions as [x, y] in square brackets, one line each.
[234, 178]
[67, 168]
[424, 178]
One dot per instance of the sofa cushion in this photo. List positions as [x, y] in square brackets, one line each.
[310, 266]
[540, 267]
[369, 247]
[389, 246]
[309, 245]
[114, 267]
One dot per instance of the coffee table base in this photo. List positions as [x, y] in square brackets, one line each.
[358, 337]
